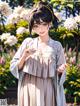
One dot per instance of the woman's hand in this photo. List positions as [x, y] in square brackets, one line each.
[25, 55]
[61, 68]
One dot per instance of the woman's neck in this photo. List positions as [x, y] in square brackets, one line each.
[43, 39]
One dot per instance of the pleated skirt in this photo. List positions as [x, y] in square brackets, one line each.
[36, 91]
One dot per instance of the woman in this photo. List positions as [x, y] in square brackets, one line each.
[39, 63]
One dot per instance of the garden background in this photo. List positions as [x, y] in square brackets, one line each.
[14, 20]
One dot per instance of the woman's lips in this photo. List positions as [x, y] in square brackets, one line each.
[41, 32]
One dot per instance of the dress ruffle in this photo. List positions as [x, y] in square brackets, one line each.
[41, 64]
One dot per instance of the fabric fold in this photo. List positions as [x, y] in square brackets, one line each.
[38, 66]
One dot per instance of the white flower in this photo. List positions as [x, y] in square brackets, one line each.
[12, 40]
[13, 18]
[21, 30]
[57, 14]
[70, 24]
[4, 36]
[5, 9]
[25, 14]
[77, 18]
[18, 10]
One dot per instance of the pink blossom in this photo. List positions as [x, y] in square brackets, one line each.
[1, 48]
[66, 57]
[2, 60]
[70, 49]
[73, 60]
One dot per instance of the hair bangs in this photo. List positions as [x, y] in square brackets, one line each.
[39, 17]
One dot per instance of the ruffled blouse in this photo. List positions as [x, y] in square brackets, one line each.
[41, 64]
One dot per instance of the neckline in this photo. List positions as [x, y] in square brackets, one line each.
[46, 44]
[43, 42]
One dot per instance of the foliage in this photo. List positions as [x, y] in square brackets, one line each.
[72, 84]
[70, 7]
[7, 52]
[6, 79]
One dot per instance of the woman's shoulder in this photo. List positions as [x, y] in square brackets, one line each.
[56, 43]
[57, 46]
[27, 40]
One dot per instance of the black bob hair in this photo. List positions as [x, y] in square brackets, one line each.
[45, 13]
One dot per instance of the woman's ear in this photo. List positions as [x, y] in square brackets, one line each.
[50, 25]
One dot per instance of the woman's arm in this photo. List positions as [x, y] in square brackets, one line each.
[61, 64]
[16, 62]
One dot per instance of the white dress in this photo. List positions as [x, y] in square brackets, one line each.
[35, 84]
[37, 88]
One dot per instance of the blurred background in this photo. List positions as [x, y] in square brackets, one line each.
[14, 20]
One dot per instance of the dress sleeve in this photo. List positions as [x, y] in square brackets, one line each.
[14, 62]
[61, 60]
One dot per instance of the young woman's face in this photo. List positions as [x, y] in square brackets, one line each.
[41, 29]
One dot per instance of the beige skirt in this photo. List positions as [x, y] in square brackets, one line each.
[36, 91]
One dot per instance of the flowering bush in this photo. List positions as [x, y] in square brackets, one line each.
[70, 24]
[19, 13]
[6, 79]
[12, 40]
[13, 30]
[8, 42]
[5, 9]
[72, 84]
[4, 36]
[21, 30]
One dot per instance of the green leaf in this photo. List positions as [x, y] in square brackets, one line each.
[77, 93]
[5, 87]
[53, 1]
[22, 23]
[70, 5]
[70, 34]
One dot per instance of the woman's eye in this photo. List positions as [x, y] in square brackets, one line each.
[35, 26]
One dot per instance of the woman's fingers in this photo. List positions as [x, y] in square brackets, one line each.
[28, 52]
[61, 68]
